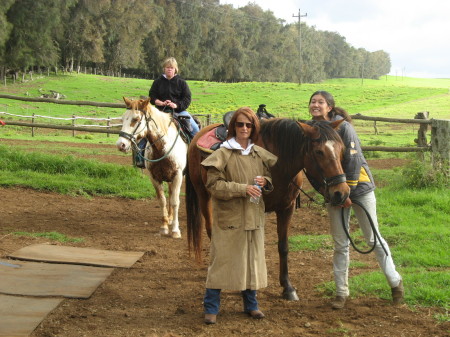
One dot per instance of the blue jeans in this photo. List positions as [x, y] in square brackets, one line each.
[211, 301]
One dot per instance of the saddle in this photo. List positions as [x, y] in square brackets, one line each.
[184, 123]
[212, 140]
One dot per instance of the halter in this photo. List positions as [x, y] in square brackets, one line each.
[331, 181]
[131, 137]
[341, 178]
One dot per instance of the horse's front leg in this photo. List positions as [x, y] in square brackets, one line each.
[174, 203]
[164, 229]
[283, 221]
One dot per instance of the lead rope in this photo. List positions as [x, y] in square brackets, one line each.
[374, 230]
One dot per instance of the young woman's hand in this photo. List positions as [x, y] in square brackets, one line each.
[347, 203]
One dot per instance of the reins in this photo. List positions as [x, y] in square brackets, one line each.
[374, 230]
[132, 139]
[335, 180]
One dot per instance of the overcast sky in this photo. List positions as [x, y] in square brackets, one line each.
[415, 34]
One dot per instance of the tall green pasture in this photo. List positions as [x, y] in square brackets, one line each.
[67, 174]
[389, 95]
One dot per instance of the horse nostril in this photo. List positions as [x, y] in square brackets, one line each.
[337, 195]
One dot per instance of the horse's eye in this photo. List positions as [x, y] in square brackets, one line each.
[319, 153]
[135, 120]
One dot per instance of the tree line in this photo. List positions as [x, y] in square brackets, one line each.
[211, 42]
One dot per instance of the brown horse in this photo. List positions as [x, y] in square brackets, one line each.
[296, 144]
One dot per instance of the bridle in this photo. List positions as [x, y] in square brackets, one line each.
[132, 137]
[327, 182]
[338, 179]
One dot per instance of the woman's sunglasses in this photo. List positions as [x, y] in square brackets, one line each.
[241, 125]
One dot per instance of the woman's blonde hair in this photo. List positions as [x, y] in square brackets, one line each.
[171, 62]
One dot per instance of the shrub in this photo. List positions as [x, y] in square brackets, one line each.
[421, 174]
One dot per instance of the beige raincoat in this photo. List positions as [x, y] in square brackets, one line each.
[237, 239]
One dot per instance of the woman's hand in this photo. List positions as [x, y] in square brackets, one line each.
[347, 203]
[253, 191]
[261, 181]
[172, 105]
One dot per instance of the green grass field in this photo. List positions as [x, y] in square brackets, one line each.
[414, 219]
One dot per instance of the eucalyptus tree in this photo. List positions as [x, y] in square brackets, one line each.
[191, 15]
[127, 24]
[161, 41]
[5, 29]
[379, 64]
[83, 37]
[337, 55]
[312, 53]
[272, 50]
[35, 27]
[5, 26]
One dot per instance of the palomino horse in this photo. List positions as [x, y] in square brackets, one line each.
[165, 154]
[294, 143]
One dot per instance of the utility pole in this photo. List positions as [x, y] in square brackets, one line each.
[300, 43]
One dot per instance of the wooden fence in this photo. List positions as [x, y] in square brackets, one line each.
[440, 129]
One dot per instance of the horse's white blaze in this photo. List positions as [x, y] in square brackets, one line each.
[330, 145]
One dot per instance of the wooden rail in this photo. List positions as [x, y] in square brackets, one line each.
[421, 148]
[64, 127]
[61, 101]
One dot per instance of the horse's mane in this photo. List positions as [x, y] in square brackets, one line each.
[285, 138]
[326, 132]
[161, 119]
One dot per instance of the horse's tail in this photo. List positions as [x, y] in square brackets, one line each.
[194, 220]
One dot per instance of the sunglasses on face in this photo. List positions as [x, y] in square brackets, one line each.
[241, 125]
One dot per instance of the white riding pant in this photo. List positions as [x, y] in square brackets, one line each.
[341, 256]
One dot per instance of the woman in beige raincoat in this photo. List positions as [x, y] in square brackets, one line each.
[238, 171]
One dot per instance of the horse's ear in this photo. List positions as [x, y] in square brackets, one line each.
[127, 101]
[309, 130]
[145, 103]
[336, 124]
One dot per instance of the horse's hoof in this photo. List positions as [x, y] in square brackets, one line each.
[164, 231]
[290, 295]
[176, 235]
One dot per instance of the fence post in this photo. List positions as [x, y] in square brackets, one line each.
[440, 141]
[421, 139]
[73, 124]
[32, 128]
[108, 125]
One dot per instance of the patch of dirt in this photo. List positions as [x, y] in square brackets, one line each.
[161, 295]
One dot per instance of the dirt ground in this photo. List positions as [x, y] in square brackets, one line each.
[161, 295]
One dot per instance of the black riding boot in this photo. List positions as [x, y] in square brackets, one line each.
[185, 123]
[139, 156]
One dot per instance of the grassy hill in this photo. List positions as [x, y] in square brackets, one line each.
[389, 96]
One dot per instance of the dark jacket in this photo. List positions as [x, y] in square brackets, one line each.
[175, 89]
[356, 169]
